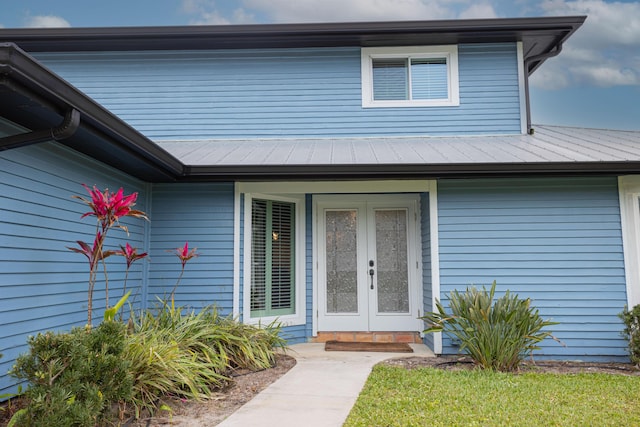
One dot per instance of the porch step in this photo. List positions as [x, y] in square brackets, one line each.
[406, 337]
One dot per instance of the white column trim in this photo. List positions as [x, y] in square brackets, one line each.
[629, 193]
[521, 88]
[236, 250]
[435, 258]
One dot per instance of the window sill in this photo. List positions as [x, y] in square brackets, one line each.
[411, 104]
[288, 320]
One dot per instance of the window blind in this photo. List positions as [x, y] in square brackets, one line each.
[391, 77]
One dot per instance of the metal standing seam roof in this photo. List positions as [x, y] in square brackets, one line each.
[549, 144]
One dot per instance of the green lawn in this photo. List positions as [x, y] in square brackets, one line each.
[396, 396]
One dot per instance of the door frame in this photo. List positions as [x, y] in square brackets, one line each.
[428, 186]
[367, 204]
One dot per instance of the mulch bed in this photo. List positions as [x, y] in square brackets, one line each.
[456, 363]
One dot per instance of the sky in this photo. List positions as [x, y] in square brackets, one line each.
[594, 82]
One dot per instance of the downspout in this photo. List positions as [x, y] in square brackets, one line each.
[538, 58]
[64, 130]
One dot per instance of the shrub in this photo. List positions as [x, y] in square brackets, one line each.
[497, 335]
[186, 354]
[75, 378]
[631, 332]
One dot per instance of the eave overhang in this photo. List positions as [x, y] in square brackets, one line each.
[35, 98]
[538, 35]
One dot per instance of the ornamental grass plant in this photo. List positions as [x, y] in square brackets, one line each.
[185, 354]
[498, 334]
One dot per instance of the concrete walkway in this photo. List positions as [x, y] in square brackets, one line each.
[318, 392]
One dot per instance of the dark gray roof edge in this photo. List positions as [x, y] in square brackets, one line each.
[19, 66]
[406, 171]
[285, 35]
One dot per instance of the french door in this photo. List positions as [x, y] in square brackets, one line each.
[368, 268]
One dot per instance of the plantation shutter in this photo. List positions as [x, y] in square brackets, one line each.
[272, 259]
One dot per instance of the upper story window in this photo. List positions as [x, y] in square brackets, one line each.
[417, 76]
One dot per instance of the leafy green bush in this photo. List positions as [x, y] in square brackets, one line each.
[631, 319]
[186, 354]
[497, 335]
[75, 378]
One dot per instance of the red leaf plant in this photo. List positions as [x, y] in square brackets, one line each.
[108, 208]
[184, 254]
[131, 255]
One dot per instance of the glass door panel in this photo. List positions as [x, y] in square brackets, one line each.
[341, 261]
[391, 255]
[367, 263]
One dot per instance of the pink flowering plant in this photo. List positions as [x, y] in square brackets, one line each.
[108, 208]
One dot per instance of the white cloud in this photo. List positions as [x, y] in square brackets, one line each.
[604, 52]
[477, 11]
[210, 12]
[350, 10]
[207, 13]
[46, 21]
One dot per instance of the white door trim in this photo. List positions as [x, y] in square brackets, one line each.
[366, 204]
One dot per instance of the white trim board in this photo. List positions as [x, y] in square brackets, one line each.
[629, 193]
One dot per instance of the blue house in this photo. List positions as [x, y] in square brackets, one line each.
[340, 178]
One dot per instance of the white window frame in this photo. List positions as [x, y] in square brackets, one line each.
[629, 193]
[299, 315]
[447, 52]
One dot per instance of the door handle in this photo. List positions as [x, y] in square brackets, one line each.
[371, 272]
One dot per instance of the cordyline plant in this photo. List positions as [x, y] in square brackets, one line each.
[184, 254]
[108, 208]
[498, 334]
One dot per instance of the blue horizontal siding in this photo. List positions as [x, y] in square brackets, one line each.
[295, 334]
[284, 93]
[556, 241]
[201, 214]
[43, 285]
